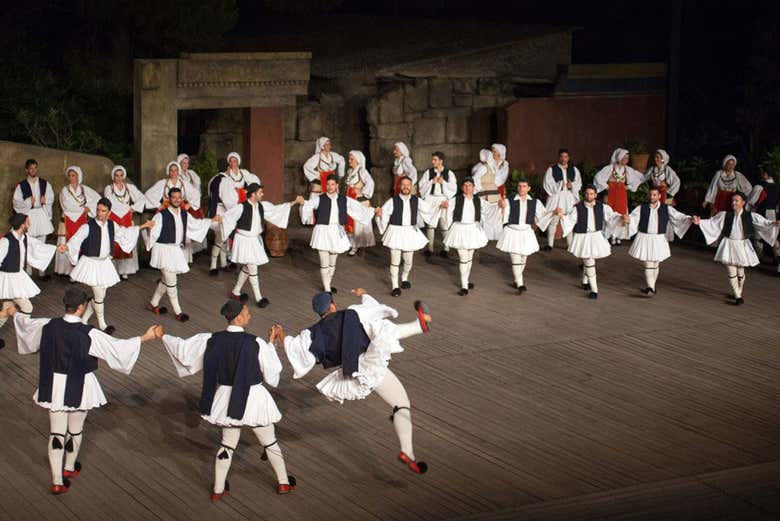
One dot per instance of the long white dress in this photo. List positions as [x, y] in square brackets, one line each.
[39, 214]
[248, 245]
[363, 234]
[372, 364]
[332, 237]
[736, 249]
[99, 272]
[171, 257]
[73, 204]
[406, 237]
[18, 284]
[592, 244]
[653, 246]
[520, 238]
[119, 354]
[127, 200]
[261, 410]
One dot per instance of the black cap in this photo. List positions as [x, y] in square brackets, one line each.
[231, 309]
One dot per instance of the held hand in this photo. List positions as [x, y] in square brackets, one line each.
[358, 292]
[62, 248]
[185, 206]
[298, 200]
[216, 219]
[43, 200]
[378, 211]
[151, 333]
[568, 185]
[9, 310]
[502, 202]
[32, 200]
[671, 202]
[696, 220]
[279, 332]
[626, 219]
[146, 225]
[445, 204]
[158, 331]
[558, 212]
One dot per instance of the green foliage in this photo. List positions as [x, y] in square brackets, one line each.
[205, 164]
[637, 146]
[696, 172]
[771, 162]
[587, 172]
[534, 181]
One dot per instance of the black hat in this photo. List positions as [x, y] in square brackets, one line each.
[16, 220]
[74, 297]
[231, 309]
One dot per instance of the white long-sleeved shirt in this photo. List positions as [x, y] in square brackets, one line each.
[24, 206]
[360, 213]
[677, 220]
[361, 174]
[713, 228]
[654, 177]
[427, 212]
[611, 219]
[39, 256]
[129, 198]
[604, 176]
[196, 228]
[276, 214]
[404, 166]
[541, 216]
[125, 237]
[446, 188]
[158, 193]
[74, 202]
[732, 182]
[322, 163]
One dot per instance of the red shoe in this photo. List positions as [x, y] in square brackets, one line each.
[61, 489]
[417, 468]
[225, 492]
[283, 488]
[423, 309]
[72, 473]
[157, 310]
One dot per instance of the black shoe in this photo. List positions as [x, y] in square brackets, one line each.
[593, 295]
[214, 272]
[2, 343]
[405, 284]
[182, 317]
[243, 298]
[463, 291]
[522, 289]
[396, 292]
[44, 278]
[230, 267]
[586, 286]
[263, 303]
[109, 330]
[427, 253]
[739, 301]
[471, 285]
[444, 254]
[333, 290]
[648, 291]
[547, 248]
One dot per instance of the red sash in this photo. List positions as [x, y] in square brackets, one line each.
[198, 214]
[502, 191]
[71, 227]
[722, 201]
[241, 195]
[663, 194]
[324, 177]
[350, 227]
[397, 185]
[125, 222]
[618, 197]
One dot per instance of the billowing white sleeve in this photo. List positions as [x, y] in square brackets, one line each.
[75, 242]
[549, 184]
[230, 219]
[476, 173]
[197, 228]
[568, 221]
[502, 174]
[3, 248]
[92, 199]
[424, 186]
[712, 228]
[679, 222]
[310, 168]
[155, 230]
[21, 205]
[120, 354]
[126, 237]
[491, 215]
[227, 193]
[743, 185]
[297, 350]
[154, 195]
[672, 182]
[39, 254]
[277, 214]
[362, 214]
[193, 194]
[49, 199]
[340, 164]
[138, 198]
[612, 220]
[186, 353]
[450, 186]
[427, 212]
[270, 365]
[634, 179]
[633, 225]
[28, 332]
[601, 179]
[542, 216]
[382, 221]
[449, 212]
[765, 228]
[754, 196]
[368, 183]
[409, 169]
[576, 185]
[712, 190]
[307, 210]
[69, 204]
[371, 309]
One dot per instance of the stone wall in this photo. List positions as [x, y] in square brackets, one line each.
[456, 116]
[51, 166]
[224, 133]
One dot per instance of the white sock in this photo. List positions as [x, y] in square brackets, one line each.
[551, 230]
[159, 291]
[395, 263]
[267, 437]
[169, 279]
[518, 266]
[408, 257]
[741, 279]
[407, 329]
[324, 269]
[243, 276]
[76, 421]
[332, 265]
[465, 257]
[58, 422]
[98, 304]
[589, 269]
[651, 273]
[392, 391]
[733, 281]
[224, 457]
[254, 281]
[430, 232]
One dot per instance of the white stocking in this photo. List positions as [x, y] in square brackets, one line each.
[408, 329]
[466, 257]
[741, 279]
[395, 264]
[332, 265]
[518, 266]
[430, 232]
[243, 276]
[325, 269]
[733, 281]
[392, 391]
[408, 257]
[254, 281]
[651, 273]
[167, 285]
[74, 436]
[551, 229]
[218, 249]
[267, 437]
[58, 422]
[589, 269]
[99, 305]
[224, 457]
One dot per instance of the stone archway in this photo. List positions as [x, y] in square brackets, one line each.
[265, 84]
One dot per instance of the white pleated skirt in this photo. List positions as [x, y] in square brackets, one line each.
[363, 236]
[169, 257]
[127, 266]
[330, 237]
[248, 249]
[518, 241]
[591, 245]
[261, 409]
[92, 396]
[94, 272]
[40, 223]
[650, 247]
[17, 285]
[372, 367]
[564, 200]
[404, 238]
[736, 253]
[462, 236]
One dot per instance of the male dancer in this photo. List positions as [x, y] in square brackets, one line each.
[437, 184]
[34, 197]
[563, 183]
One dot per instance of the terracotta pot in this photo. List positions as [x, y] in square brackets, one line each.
[276, 240]
[639, 162]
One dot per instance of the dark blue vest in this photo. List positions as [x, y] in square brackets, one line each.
[644, 218]
[168, 232]
[557, 173]
[231, 358]
[338, 340]
[514, 212]
[322, 214]
[26, 189]
[245, 221]
[445, 174]
[397, 217]
[771, 199]
[65, 350]
[91, 245]
[214, 198]
[582, 217]
[458, 213]
[747, 224]
[12, 262]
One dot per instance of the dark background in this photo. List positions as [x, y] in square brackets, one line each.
[67, 65]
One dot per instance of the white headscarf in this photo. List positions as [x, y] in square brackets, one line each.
[726, 159]
[168, 168]
[118, 168]
[234, 154]
[664, 155]
[618, 155]
[361, 158]
[501, 150]
[181, 157]
[484, 155]
[403, 148]
[320, 143]
[75, 169]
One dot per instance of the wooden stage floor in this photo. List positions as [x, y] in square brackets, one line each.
[545, 406]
